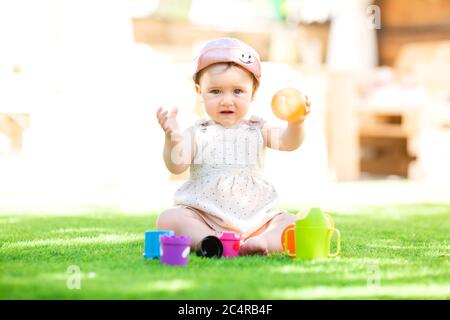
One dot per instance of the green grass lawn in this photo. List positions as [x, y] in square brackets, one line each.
[395, 252]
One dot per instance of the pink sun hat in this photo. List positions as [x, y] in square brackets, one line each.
[229, 50]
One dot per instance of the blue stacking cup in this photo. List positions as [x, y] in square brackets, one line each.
[152, 244]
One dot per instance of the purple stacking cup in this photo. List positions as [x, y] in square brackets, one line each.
[175, 250]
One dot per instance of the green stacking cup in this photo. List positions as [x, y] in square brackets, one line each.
[312, 236]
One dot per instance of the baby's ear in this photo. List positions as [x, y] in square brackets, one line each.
[198, 89]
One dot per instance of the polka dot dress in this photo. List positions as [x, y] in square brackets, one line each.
[226, 175]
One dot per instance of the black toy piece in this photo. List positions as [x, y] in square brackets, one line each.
[210, 247]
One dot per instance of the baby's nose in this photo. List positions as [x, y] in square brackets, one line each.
[227, 99]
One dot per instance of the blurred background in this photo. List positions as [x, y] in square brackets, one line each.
[80, 82]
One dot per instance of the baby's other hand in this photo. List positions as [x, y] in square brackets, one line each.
[168, 123]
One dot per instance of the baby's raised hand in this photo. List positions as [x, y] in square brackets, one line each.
[168, 123]
[308, 105]
[307, 109]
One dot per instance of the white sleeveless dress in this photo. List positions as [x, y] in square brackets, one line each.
[226, 184]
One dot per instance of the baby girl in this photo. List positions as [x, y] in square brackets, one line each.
[226, 190]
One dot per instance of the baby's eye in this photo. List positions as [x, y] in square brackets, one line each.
[214, 91]
[238, 91]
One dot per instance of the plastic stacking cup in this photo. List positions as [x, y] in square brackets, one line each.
[312, 243]
[231, 244]
[152, 243]
[175, 250]
[210, 247]
[288, 240]
[310, 237]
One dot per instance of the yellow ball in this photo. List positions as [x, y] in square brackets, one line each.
[289, 104]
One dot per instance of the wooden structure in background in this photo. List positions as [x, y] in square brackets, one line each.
[387, 139]
[412, 40]
[406, 21]
[389, 135]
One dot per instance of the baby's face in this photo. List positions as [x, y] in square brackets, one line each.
[226, 93]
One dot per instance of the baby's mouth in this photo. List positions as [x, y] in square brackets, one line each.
[226, 112]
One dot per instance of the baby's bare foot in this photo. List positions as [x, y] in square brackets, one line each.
[256, 245]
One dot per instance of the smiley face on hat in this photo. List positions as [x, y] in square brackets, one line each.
[247, 58]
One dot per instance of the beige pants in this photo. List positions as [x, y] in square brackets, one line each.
[217, 224]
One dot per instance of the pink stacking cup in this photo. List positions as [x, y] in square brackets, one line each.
[231, 244]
